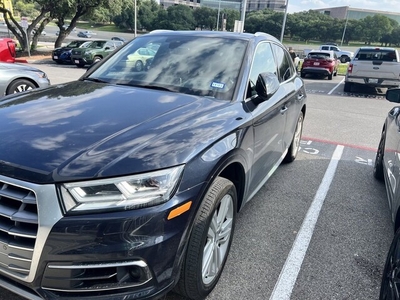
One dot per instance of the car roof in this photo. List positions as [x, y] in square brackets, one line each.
[321, 51]
[224, 34]
[377, 48]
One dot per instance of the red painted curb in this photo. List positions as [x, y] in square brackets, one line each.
[17, 60]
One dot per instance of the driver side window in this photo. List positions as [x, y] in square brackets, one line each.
[263, 62]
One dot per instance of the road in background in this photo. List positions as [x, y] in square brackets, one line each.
[347, 250]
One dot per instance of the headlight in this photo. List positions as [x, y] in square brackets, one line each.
[41, 74]
[129, 192]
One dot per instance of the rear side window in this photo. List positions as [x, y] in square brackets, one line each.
[376, 54]
[284, 63]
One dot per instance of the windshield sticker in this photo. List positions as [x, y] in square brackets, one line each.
[217, 85]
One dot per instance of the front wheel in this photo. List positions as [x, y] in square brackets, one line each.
[209, 241]
[330, 76]
[139, 66]
[390, 286]
[96, 59]
[20, 85]
[295, 144]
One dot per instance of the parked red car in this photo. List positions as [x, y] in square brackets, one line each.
[7, 50]
[321, 62]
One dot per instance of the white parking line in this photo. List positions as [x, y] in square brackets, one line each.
[331, 91]
[284, 286]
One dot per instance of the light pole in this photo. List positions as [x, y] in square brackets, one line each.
[243, 15]
[219, 10]
[135, 32]
[345, 26]
[284, 20]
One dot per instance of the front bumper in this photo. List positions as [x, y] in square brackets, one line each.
[133, 254]
[374, 82]
[81, 60]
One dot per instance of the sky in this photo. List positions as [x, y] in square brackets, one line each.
[382, 5]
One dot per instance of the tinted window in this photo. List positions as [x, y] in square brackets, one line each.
[376, 54]
[263, 62]
[320, 55]
[284, 63]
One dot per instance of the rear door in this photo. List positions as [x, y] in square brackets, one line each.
[293, 92]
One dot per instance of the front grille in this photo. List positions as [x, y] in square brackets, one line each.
[18, 228]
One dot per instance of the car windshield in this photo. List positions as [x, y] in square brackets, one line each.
[376, 54]
[96, 44]
[75, 44]
[85, 45]
[205, 66]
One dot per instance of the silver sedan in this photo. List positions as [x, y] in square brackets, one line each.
[16, 78]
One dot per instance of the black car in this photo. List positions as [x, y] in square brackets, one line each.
[63, 54]
[387, 169]
[126, 184]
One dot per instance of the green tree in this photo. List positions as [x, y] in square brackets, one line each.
[147, 14]
[180, 17]
[205, 17]
[375, 27]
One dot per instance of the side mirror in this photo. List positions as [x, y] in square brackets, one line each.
[393, 95]
[267, 84]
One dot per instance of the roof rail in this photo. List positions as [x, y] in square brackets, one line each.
[271, 37]
[160, 30]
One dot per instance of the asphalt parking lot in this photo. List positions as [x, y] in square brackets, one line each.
[320, 227]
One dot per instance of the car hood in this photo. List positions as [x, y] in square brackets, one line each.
[82, 130]
[15, 66]
[81, 50]
[62, 49]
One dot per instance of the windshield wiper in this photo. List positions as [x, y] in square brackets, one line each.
[95, 80]
[153, 87]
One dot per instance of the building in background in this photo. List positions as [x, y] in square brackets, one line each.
[343, 12]
[276, 5]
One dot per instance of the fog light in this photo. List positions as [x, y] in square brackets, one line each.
[135, 273]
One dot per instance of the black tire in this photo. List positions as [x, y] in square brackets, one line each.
[390, 285]
[295, 144]
[80, 65]
[20, 85]
[193, 282]
[378, 166]
[330, 76]
[335, 73]
[96, 59]
[343, 59]
[139, 66]
[302, 74]
[347, 87]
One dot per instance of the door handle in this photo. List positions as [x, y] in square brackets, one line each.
[300, 97]
[283, 109]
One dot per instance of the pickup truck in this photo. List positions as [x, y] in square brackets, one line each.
[375, 67]
[344, 56]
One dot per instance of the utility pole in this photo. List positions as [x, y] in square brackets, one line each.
[284, 20]
[135, 33]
